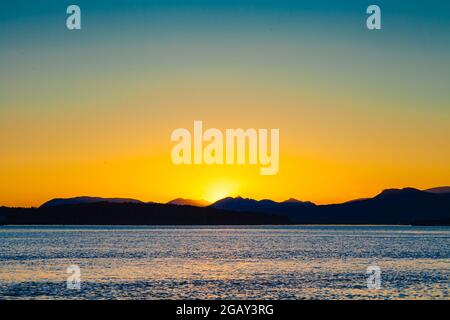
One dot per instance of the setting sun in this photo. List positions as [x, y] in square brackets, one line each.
[220, 189]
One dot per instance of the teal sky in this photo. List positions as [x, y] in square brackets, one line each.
[325, 40]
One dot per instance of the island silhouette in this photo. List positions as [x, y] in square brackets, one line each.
[407, 206]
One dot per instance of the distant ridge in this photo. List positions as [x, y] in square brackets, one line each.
[263, 206]
[439, 190]
[407, 206]
[395, 193]
[391, 206]
[129, 213]
[356, 200]
[84, 200]
[291, 200]
[189, 202]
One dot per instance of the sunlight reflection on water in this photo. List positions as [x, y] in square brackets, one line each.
[282, 262]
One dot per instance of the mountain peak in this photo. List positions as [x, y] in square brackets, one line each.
[264, 206]
[291, 200]
[395, 192]
[85, 199]
[189, 202]
[445, 189]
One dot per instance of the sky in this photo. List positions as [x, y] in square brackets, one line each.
[91, 111]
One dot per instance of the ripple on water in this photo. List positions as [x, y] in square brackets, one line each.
[291, 262]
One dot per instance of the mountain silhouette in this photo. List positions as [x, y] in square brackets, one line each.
[262, 206]
[189, 202]
[392, 206]
[129, 213]
[291, 200]
[439, 190]
[84, 200]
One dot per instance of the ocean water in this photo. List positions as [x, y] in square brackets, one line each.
[217, 262]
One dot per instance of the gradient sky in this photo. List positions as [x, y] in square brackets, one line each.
[90, 112]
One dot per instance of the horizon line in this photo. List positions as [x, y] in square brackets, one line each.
[230, 196]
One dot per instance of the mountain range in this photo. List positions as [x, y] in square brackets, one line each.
[391, 206]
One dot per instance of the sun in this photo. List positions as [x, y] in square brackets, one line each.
[220, 189]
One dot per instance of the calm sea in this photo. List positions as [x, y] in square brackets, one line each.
[216, 262]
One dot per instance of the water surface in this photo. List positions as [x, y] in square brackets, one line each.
[217, 262]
